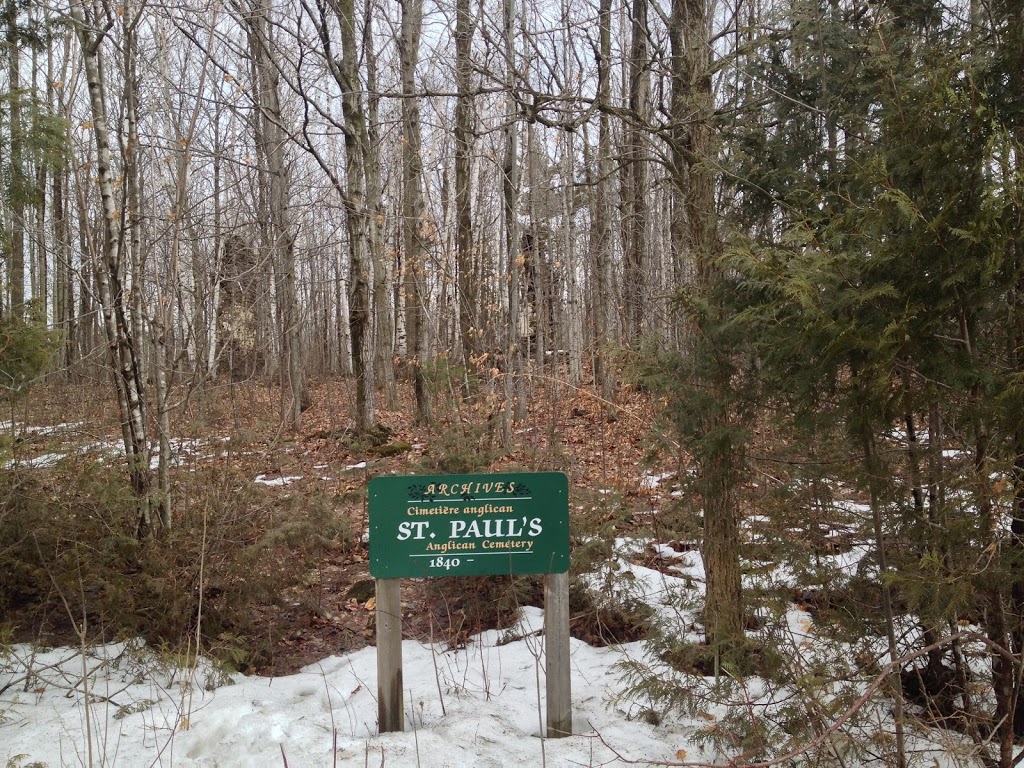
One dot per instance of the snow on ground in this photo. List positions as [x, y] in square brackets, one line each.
[478, 706]
[276, 481]
[481, 705]
[650, 482]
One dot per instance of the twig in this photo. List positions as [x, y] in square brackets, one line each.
[740, 762]
[437, 673]
[415, 730]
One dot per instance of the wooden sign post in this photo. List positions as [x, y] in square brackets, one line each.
[390, 712]
[480, 525]
[556, 650]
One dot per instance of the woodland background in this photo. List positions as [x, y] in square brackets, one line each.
[787, 233]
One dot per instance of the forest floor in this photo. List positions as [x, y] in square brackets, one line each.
[270, 549]
[607, 450]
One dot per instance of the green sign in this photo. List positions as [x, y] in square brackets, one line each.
[469, 525]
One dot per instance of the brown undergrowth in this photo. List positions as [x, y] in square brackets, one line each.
[275, 576]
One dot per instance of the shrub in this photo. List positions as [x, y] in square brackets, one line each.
[25, 352]
[70, 553]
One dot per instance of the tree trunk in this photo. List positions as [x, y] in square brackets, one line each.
[693, 183]
[515, 390]
[463, 137]
[601, 233]
[361, 244]
[384, 330]
[635, 183]
[414, 242]
[116, 324]
[18, 188]
[272, 140]
[63, 281]
[573, 315]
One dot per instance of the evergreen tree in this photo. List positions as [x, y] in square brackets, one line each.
[31, 139]
[880, 249]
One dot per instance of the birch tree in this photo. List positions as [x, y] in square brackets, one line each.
[117, 325]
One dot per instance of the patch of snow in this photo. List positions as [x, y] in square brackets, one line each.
[52, 429]
[360, 465]
[46, 460]
[665, 552]
[854, 507]
[482, 705]
[276, 481]
[650, 482]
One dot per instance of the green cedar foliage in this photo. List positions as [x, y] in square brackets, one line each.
[25, 352]
[877, 268]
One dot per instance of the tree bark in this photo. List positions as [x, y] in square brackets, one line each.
[414, 242]
[116, 322]
[463, 137]
[272, 140]
[635, 183]
[515, 390]
[601, 233]
[18, 188]
[384, 330]
[361, 245]
[691, 150]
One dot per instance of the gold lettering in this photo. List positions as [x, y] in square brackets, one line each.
[451, 546]
[514, 545]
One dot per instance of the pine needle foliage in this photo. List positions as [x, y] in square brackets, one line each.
[869, 308]
[878, 270]
[26, 348]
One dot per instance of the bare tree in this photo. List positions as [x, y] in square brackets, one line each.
[463, 138]
[515, 389]
[635, 179]
[604, 293]
[360, 230]
[117, 325]
[414, 241]
[272, 141]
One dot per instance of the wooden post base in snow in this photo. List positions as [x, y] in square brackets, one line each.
[390, 711]
[556, 649]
